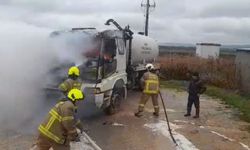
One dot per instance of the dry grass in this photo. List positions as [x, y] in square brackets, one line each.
[218, 72]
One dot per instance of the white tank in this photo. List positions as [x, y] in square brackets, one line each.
[144, 49]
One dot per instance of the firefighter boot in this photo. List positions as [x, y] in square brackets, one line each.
[138, 114]
[197, 115]
[156, 114]
[187, 115]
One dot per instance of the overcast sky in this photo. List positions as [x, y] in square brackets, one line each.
[178, 21]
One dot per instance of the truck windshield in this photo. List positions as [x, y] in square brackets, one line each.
[89, 68]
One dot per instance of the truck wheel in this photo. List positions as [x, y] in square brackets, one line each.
[115, 102]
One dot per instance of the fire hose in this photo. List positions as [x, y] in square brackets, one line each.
[166, 115]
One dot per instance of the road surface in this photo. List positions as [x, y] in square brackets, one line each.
[218, 128]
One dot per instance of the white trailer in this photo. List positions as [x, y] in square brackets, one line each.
[208, 50]
[115, 64]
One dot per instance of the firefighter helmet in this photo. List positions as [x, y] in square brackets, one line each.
[75, 95]
[149, 67]
[74, 71]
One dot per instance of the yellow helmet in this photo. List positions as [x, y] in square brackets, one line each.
[75, 95]
[74, 71]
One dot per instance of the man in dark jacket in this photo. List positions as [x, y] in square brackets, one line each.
[196, 87]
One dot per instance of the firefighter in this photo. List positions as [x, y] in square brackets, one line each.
[196, 87]
[59, 127]
[72, 81]
[150, 82]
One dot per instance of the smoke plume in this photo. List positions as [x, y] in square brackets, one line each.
[27, 56]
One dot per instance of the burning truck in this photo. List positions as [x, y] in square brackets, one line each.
[114, 62]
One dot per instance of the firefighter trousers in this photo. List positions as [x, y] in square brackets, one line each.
[144, 99]
[43, 143]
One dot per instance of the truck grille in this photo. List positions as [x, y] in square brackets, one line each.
[89, 91]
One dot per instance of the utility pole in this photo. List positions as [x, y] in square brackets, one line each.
[147, 5]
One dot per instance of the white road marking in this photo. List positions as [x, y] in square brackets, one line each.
[231, 140]
[182, 141]
[223, 136]
[245, 146]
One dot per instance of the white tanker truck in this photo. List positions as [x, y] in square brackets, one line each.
[115, 64]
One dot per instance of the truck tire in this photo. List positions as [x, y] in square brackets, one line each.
[117, 97]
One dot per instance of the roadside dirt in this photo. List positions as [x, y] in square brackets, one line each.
[218, 128]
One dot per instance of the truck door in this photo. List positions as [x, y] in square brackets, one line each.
[121, 55]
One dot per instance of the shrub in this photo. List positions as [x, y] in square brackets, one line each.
[218, 72]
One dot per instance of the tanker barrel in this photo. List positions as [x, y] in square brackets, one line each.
[143, 50]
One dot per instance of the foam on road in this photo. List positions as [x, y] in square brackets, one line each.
[86, 143]
[182, 141]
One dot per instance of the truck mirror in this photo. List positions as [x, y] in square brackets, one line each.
[98, 81]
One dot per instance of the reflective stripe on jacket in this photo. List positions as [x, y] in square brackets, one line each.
[69, 84]
[60, 123]
[151, 83]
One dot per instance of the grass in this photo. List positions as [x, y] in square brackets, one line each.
[236, 100]
[242, 103]
[172, 84]
[218, 72]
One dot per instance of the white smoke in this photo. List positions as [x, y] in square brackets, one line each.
[27, 55]
[24, 61]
